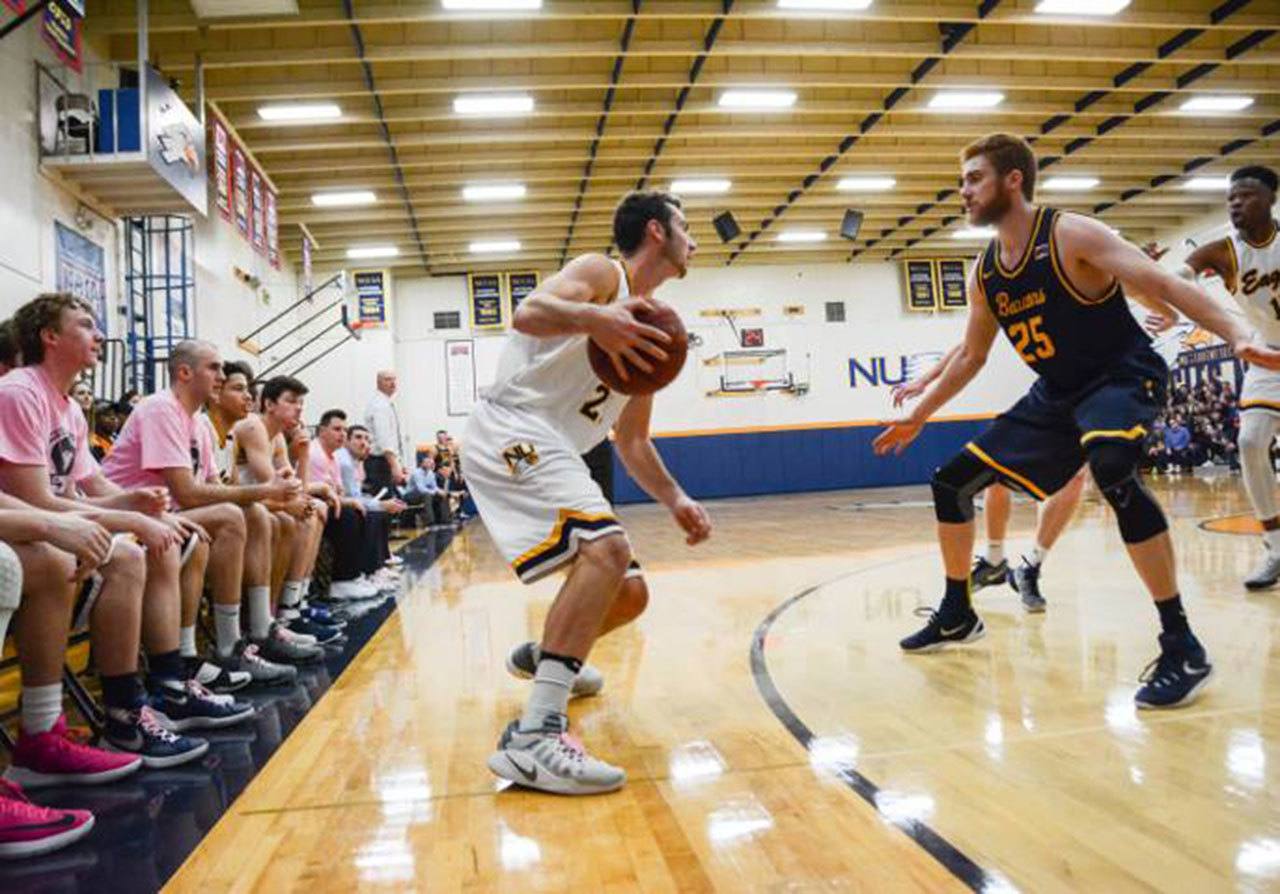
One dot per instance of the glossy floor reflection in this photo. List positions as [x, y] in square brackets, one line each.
[1023, 752]
[150, 823]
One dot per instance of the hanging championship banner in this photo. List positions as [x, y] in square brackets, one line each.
[18, 6]
[485, 290]
[371, 296]
[952, 284]
[306, 266]
[240, 190]
[61, 30]
[520, 286]
[922, 293]
[259, 212]
[460, 377]
[273, 233]
[222, 169]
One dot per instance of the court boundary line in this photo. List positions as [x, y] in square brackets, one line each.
[950, 857]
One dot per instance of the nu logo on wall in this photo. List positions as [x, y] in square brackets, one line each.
[886, 370]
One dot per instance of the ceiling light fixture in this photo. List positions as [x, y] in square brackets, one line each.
[1207, 184]
[701, 186]
[757, 100]
[495, 246]
[1216, 104]
[1081, 7]
[962, 100]
[1070, 184]
[373, 251]
[802, 236]
[493, 192]
[343, 199]
[300, 111]
[490, 5]
[832, 5]
[496, 106]
[866, 184]
[974, 233]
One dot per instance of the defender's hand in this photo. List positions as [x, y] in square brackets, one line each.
[897, 437]
[692, 519]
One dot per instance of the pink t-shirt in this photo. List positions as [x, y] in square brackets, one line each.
[324, 467]
[159, 434]
[41, 426]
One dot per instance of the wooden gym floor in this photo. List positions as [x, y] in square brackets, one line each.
[1018, 763]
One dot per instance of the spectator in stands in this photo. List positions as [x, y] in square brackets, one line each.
[82, 393]
[262, 452]
[106, 425]
[230, 402]
[45, 462]
[10, 356]
[452, 486]
[383, 468]
[424, 489]
[162, 445]
[444, 450]
[351, 463]
[1177, 446]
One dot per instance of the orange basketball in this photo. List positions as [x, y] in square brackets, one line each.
[663, 317]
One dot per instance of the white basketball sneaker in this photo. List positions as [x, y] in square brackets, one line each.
[1266, 573]
[522, 663]
[550, 760]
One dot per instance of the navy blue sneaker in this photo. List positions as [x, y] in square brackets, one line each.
[1176, 677]
[323, 633]
[984, 574]
[189, 705]
[940, 631]
[322, 615]
[1025, 579]
[141, 732]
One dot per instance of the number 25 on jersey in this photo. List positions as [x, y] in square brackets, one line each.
[1030, 342]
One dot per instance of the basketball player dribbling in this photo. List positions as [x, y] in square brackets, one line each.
[522, 451]
[1054, 282]
[1248, 261]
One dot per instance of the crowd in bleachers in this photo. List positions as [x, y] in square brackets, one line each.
[1199, 424]
[132, 518]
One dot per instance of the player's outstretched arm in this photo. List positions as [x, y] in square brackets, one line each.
[962, 365]
[1090, 243]
[631, 437]
[913, 389]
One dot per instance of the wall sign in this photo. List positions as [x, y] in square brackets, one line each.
[81, 270]
[520, 286]
[922, 294]
[459, 376]
[953, 284]
[175, 142]
[61, 30]
[485, 290]
[371, 296]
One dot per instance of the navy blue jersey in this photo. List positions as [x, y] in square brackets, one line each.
[1070, 340]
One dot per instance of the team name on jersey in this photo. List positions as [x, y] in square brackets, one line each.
[1253, 280]
[1007, 307]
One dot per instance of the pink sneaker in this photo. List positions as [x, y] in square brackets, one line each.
[28, 829]
[56, 758]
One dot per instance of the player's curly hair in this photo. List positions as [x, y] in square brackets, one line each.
[41, 313]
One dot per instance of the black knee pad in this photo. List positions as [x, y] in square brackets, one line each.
[1115, 467]
[955, 484]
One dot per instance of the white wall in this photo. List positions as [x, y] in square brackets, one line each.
[29, 202]
[876, 324]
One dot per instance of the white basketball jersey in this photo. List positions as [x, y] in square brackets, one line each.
[1258, 282]
[552, 379]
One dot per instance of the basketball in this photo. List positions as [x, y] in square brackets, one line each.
[661, 316]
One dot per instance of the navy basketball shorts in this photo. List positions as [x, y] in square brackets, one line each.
[1039, 444]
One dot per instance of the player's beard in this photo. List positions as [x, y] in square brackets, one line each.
[681, 265]
[994, 211]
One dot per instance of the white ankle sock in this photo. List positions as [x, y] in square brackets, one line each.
[1037, 554]
[187, 641]
[258, 600]
[1272, 540]
[226, 625]
[291, 594]
[550, 693]
[41, 707]
[995, 551]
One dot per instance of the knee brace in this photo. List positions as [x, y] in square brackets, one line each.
[955, 484]
[1115, 467]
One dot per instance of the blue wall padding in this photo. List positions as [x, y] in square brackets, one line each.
[794, 460]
